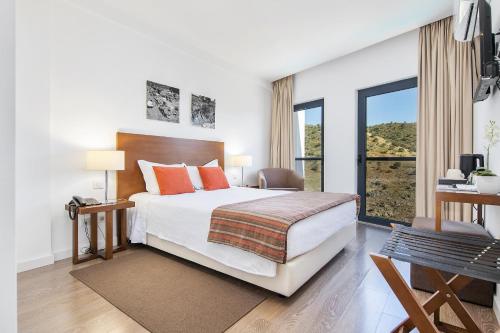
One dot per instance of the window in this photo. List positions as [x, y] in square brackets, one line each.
[387, 139]
[308, 135]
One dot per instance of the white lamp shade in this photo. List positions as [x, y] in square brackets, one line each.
[241, 160]
[105, 160]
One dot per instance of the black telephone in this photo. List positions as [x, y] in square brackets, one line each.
[80, 202]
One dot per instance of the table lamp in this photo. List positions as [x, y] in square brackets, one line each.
[106, 160]
[241, 161]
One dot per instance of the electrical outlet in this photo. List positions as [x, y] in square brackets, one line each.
[97, 185]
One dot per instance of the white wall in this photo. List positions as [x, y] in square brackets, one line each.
[32, 134]
[483, 113]
[338, 82]
[8, 288]
[89, 83]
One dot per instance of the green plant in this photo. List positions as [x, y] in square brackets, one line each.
[492, 136]
[483, 172]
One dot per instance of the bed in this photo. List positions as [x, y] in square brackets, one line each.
[179, 224]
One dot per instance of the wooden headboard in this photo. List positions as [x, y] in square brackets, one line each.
[159, 149]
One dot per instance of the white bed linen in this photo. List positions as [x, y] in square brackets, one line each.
[184, 219]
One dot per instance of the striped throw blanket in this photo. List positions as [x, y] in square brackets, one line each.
[261, 226]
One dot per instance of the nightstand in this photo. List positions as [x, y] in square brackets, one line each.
[120, 207]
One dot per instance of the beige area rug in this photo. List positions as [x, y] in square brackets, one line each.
[167, 294]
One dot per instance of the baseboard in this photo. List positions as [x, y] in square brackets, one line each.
[68, 253]
[35, 263]
[50, 259]
[62, 254]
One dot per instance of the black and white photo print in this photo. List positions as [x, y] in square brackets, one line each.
[162, 102]
[202, 111]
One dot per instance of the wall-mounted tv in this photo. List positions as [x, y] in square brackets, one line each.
[473, 18]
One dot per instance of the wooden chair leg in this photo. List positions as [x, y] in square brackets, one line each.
[432, 305]
[452, 299]
[404, 293]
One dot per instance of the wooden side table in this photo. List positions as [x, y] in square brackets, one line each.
[464, 197]
[121, 229]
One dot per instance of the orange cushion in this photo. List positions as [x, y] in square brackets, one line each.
[213, 178]
[173, 180]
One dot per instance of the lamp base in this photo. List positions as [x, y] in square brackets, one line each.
[242, 184]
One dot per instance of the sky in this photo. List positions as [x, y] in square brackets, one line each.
[399, 106]
[313, 116]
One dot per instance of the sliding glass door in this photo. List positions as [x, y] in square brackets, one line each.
[387, 139]
[308, 134]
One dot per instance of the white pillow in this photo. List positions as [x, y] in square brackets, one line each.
[194, 174]
[214, 163]
[149, 174]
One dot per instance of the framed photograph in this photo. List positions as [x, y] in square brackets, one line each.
[202, 111]
[162, 102]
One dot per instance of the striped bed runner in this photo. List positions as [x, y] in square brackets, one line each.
[261, 226]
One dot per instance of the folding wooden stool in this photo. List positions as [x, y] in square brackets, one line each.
[465, 256]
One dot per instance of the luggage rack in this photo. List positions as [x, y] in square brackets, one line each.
[465, 256]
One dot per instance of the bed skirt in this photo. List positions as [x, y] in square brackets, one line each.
[289, 277]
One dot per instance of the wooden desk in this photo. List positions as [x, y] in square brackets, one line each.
[121, 229]
[464, 197]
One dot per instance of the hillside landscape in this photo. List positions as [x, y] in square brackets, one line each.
[312, 169]
[390, 185]
[392, 139]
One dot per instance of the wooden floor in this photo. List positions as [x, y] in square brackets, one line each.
[347, 295]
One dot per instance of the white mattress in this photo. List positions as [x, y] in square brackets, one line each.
[185, 220]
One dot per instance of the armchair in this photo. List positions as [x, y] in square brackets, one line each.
[280, 179]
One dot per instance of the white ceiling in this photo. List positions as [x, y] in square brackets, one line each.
[269, 39]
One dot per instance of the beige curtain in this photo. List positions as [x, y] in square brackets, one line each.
[282, 124]
[444, 125]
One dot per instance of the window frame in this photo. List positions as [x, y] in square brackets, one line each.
[363, 95]
[303, 107]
